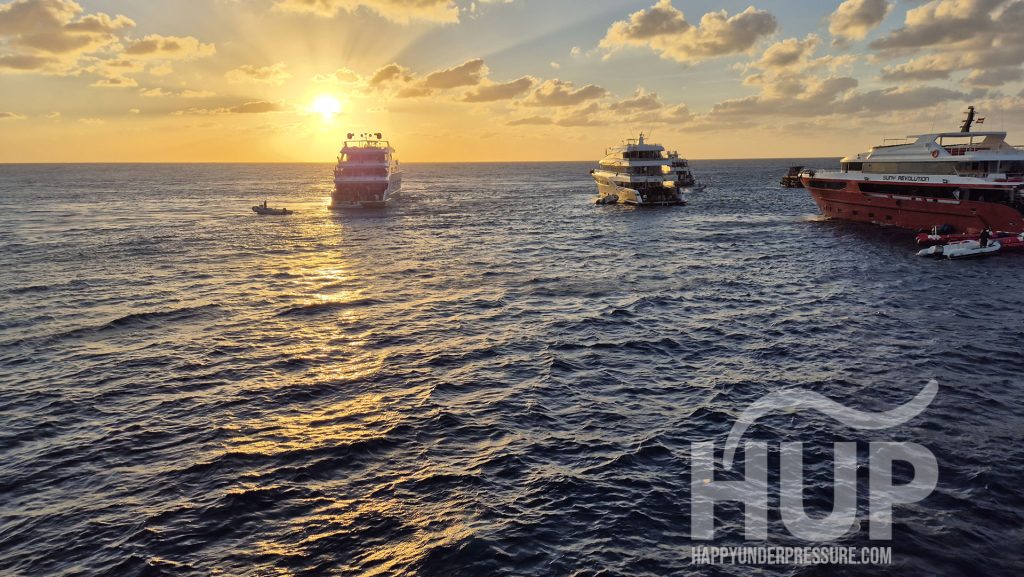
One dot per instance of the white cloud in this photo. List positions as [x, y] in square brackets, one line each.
[563, 93]
[855, 19]
[664, 29]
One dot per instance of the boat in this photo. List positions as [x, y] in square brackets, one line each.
[961, 249]
[961, 182]
[792, 177]
[641, 173]
[266, 210]
[367, 174]
[1010, 241]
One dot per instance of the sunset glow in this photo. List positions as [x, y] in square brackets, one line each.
[515, 80]
[326, 106]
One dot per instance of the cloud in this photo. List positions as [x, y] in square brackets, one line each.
[161, 69]
[255, 107]
[116, 82]
[274, 74]
[413, 92]
[982, 37]
[49, 36]
[939, 22]
[942, 64]
[390, 73]
[154, 92]
[500, 91]
[664, 29]
[798, 96]
[27, 62]
[584, 116]
[789, 53]
[259, 107]
[854, 19]
[991, 77]
[900, 98]
[403, 83]
[58, 37]
[10, 116]
[155, 46]
[468, 73]
[530, 121]
[401, 11]
[197, 94]
[563, 93]
[57, 27]
[342, 75]
[641, 101]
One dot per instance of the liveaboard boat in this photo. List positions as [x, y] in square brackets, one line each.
[948, 182]
[367, 174]
[643, 174]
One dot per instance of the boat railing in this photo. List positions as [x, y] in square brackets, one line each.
[367, 144]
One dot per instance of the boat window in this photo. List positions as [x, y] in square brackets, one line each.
[855, 165]
[828, 184]
[909, 190]
[1012, 169]
[909, 167]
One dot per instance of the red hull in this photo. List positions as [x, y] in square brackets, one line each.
[913, 212]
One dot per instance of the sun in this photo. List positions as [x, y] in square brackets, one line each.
[326, 106]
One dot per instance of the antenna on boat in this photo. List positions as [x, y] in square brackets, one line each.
[969, 120]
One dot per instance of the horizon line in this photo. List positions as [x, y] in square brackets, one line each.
[51, 162]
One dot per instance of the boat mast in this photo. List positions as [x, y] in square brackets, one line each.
[969, 120]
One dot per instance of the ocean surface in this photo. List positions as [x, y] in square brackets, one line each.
[495, 377]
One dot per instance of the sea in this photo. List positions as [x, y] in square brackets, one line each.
[494, 377]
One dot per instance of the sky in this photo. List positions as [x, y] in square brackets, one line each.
[498, 80]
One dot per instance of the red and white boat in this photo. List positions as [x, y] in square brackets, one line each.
[957, 181]
[367, 174]
[1009, 240]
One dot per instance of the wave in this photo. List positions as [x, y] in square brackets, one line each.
[321, 307]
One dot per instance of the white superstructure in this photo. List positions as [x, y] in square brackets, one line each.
[367, 174]
[642, 173]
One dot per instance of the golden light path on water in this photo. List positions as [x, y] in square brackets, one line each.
[494, 375]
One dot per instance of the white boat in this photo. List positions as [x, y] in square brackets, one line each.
[367, 174]
[642, 174]
[962, 249]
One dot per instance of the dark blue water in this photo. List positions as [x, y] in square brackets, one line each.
[494, 378]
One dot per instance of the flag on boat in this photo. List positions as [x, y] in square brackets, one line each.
[981, 120]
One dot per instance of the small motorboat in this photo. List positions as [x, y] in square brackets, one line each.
[266, 210]
[962, 249]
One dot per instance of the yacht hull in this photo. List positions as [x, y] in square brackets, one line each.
[348, 196]
[913, 212]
